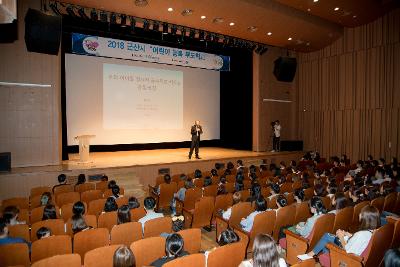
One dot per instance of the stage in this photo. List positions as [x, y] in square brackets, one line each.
[133, 170]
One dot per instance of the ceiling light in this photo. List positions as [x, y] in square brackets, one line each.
[290, 39]
[170, 9]
[355, 16]
[269, 33]
[315, 1]
[218, 20]
[308, 9]
[252, 28]
[187, 12]
[203, 17]
[336, 9]
[141, 3]
[232, 24]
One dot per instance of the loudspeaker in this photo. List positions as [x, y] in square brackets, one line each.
[285, 69]
[5, 162]
[9, 32]
[292, 145]
[42, 32]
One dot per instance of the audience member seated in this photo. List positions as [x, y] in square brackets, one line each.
[265, 253]
[299, 195]
[173, 249]
[221, 186]
[133, 203]
[79, 224]
[392, 258]
[123, 214]
[239, 164]
[317, 208]
[281, 202]
[226, 237]
[236, 199]
[275, 189]
[78, 208]
[255, 192]
[10, 215]
[45, 199]
[149, 205]
[239, 186]
[353, 243]
[167, 180]
[49, 213]
[43, 232]
[181, 194]
[319, 190]
[123, 257]
[62, 180]
[339, 201]
[207, 181]
[115, 192]
[110, 205]
[261, 206]
[111, 184]
[81, 179]
[4, 238]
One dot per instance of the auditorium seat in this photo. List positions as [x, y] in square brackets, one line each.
[108, 193]
[302, 212]
[230, 187]
[56, 227]
[126, 233]
[67, 260]
[96, 206]
[306, 263]
[107, 220]
[356, 215]
[309, 192]
[390, 202]
[290, 198]
[284, 217]
[90, 195]
[327, 203]
[90, 239]
[14, 254]
[39, 190]
[155, 227]
[201, 215]
[210, 191]
[265, 191]
[371, 257]
[166, 195]
[137, 214]
[148, 250]
[23, 216]
[100, 257]
[102, 186]
[65, 198]
[198, 182]
[19, 230]
[66, 211]
[286, 187]
[80, 188]
[191, 196]
[35, 201]
[193, 260]
[51, 246]
[271, 202]
[90, 220]
[378, 203]
[222, 202]
[20, 202]
[343, 219]
[123, 200]
[192, 240]
[230, 178]
[396, 232]
[246, 184]
[229, 255]
[63, 189]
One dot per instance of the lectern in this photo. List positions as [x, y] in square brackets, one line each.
[84, 146]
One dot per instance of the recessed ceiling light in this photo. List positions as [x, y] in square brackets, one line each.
[269, 33]
[336, 9]
[252, 28]
[232, 24]
[308, 44]
[355, 16]
[218, 20]
[203, 17]
[141, 3]
[308, 9]
[315, 1]
[290, 39]
[187, 12]
[170, 9]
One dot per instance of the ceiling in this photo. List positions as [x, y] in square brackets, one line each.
[309, 30]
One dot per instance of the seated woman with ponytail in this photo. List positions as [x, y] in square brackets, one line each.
[173, 249]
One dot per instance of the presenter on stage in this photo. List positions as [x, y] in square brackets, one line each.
[196, 131]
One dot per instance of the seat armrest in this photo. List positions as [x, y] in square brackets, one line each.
[339, 257]
[296, 245]
[178, 205]
[188, 217]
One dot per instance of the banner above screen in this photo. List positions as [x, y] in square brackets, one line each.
[106, 47]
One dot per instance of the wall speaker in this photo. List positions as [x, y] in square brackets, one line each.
[292, 145]
[5, 162]
[285, 69]
[42, 32]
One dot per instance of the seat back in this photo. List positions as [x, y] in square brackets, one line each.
[100, 257]
[390, 202]
[396, 233]
[20, 202]
[96, 206]
[39, 190]
[56, 227]
[65, 188]
[14, 254]
[166, 195]
[66, 211]
[192, 240]
[68, 260]
[286, 187]
[198, 182]
[244, 195]
[194, 260]
[343, 219]
[37, 214]
[230, 255]
[308, 193]
[148, 250]
[107, 220]
[51, 246]
[327, 202]
[191, 196]
[157, 226]
[122, 201]
[65, 198]
[284, 217]
[203, 212]
[210, 191]
[102, 186]
[90, 220]
[356, 214]
[272, 202]
[230, 187]
[322, 225]
[302, 212]
[19, 230]
[126, 233]
[80, 188]
[35, 201]
[87, 240]
[90, 195]
[108, 192]
[239, 210]
[263, 224]
[290, 198]
[222, 202]
[378, 246]
[137, 214]
[378, 203]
